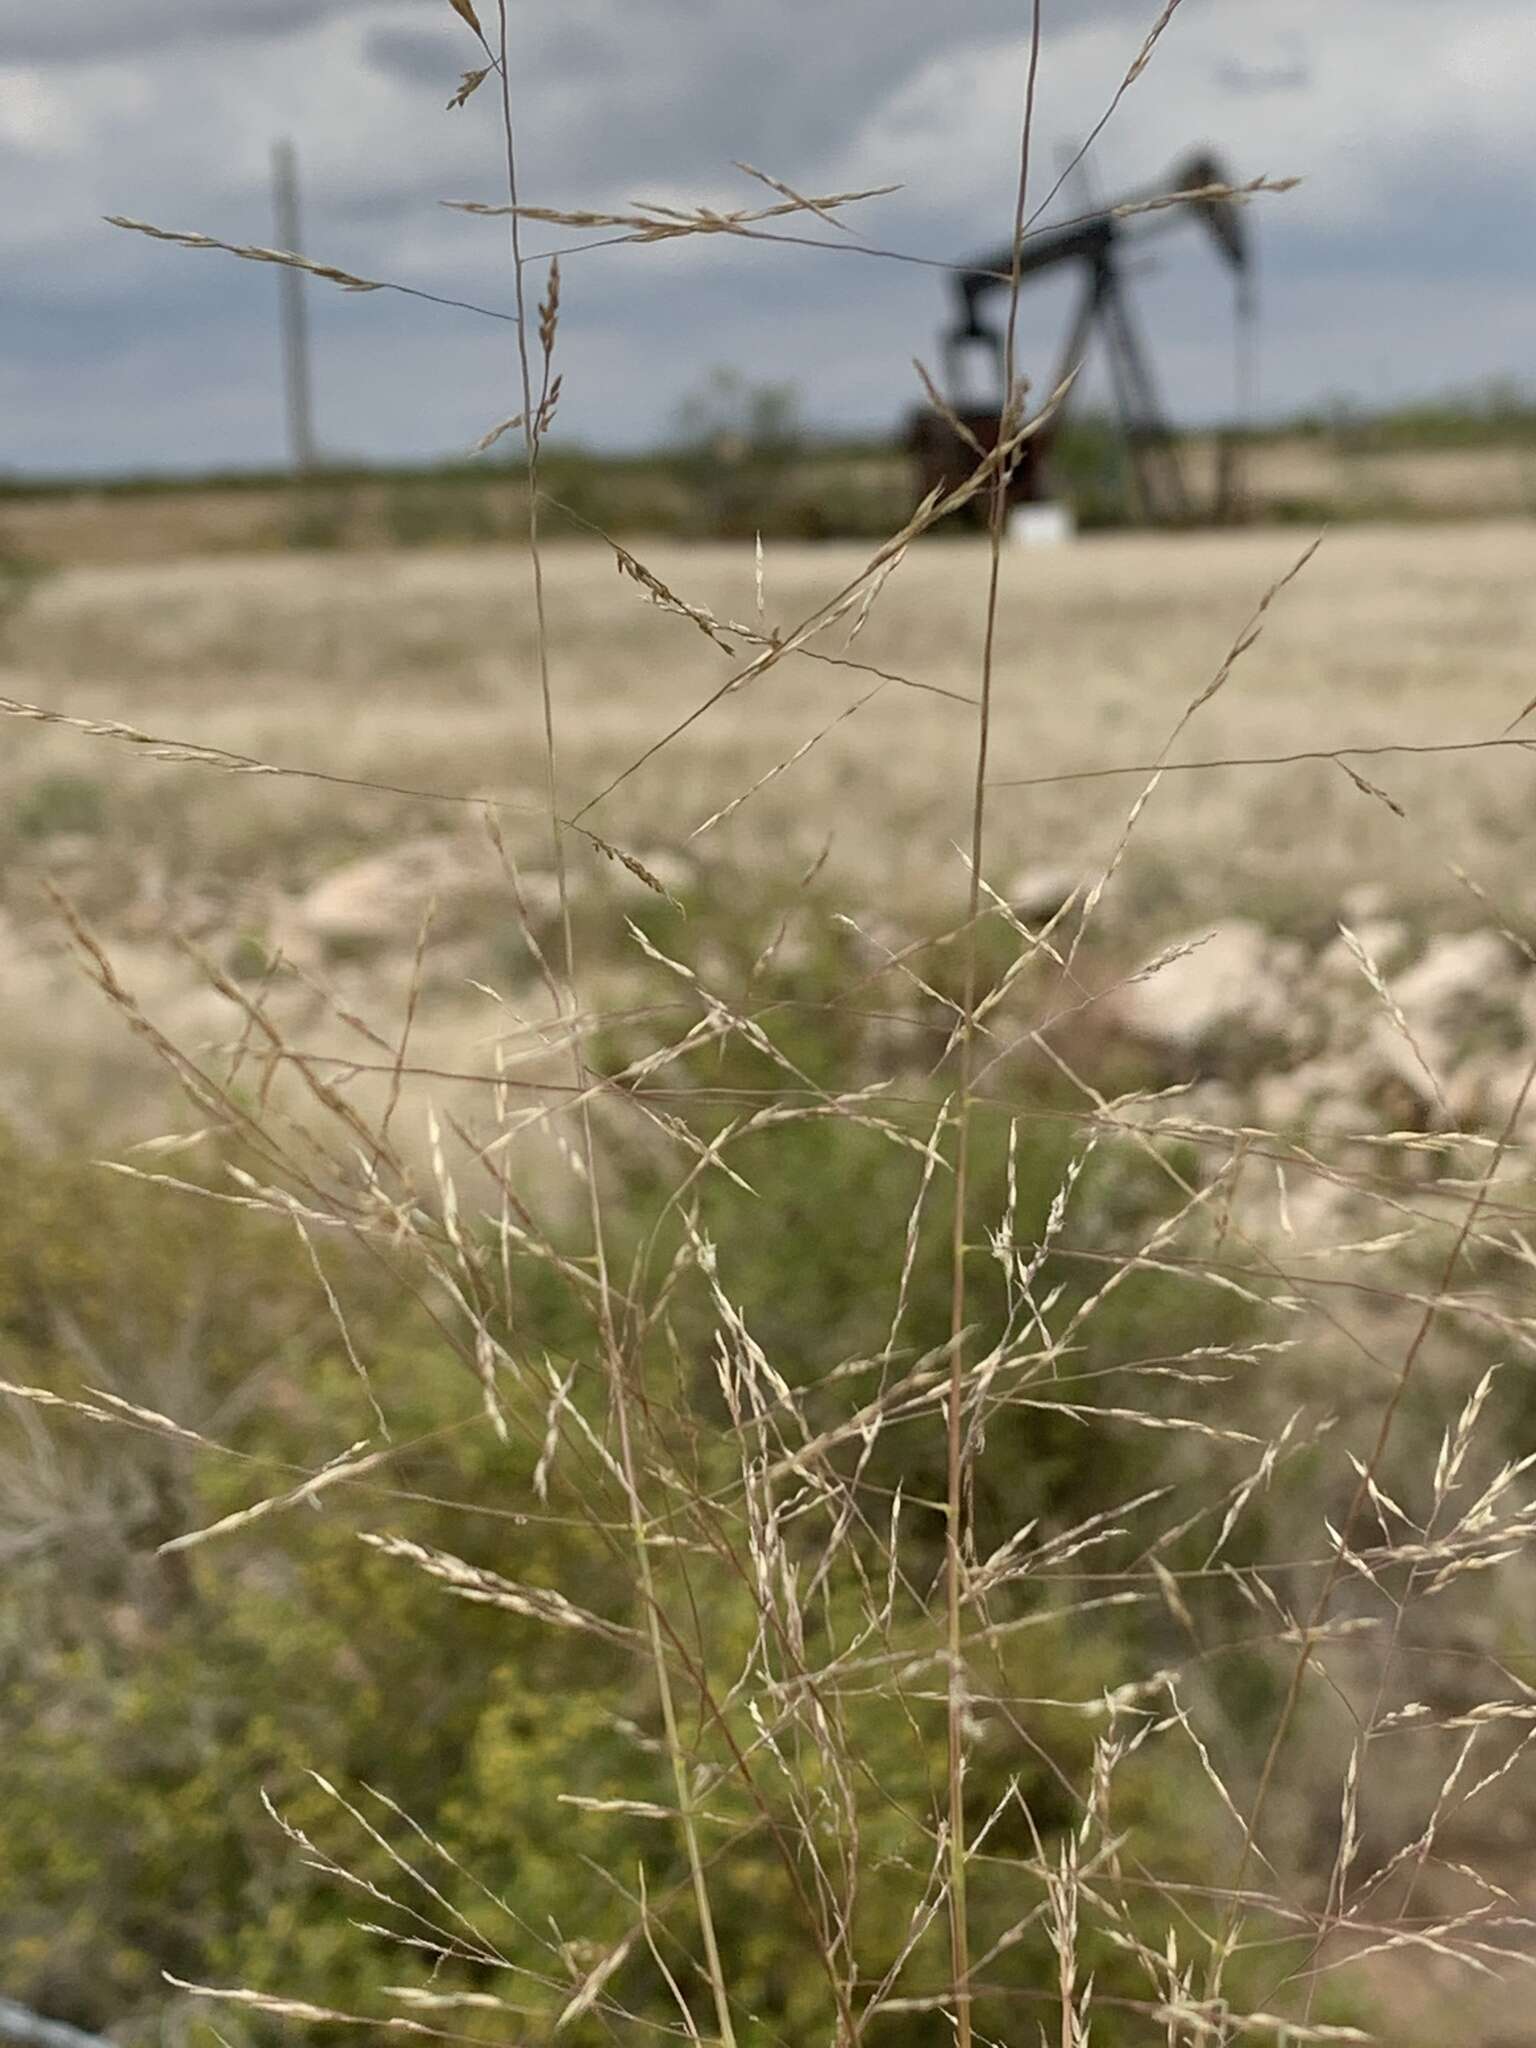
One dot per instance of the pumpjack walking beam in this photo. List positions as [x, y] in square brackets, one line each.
[1095, 244]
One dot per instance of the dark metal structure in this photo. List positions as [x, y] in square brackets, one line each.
[1096, 246]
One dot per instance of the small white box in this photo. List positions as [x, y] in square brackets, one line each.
[1041, 526]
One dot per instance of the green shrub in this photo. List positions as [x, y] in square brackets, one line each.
[60, 803]
[148, 1703]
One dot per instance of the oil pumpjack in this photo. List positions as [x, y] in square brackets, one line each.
[1097, 247]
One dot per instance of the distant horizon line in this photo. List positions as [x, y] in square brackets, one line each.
[1486, 405]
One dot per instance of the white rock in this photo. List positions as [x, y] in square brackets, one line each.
[1383, 1055]
[1485, 1090]
[1364, 904]
[1460, 984]
[675, 871]
[1324, 1096]
[1238, 986]
[1037, 893]
[1462, 1003]
[1386, 939]
[385, 895]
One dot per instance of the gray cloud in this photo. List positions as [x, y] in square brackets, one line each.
[1291, 77]
[676, 89]
[83, 32]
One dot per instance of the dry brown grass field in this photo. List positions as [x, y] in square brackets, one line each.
[415, 669]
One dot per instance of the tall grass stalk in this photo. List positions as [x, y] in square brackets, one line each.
[997, 514]
[534, 420]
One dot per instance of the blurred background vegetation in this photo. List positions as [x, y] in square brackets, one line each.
[744, 459]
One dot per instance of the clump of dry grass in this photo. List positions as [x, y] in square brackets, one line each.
[1284, 1534]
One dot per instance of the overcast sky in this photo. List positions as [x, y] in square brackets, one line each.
[1403, 265]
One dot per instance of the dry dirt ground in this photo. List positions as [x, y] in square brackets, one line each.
[419, 670]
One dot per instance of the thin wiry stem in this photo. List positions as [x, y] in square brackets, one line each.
[1336, 754]
[849, 245]
[196, 753]
[619, 1389]
[347, 280]
[959, 1921]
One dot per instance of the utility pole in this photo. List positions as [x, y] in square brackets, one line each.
[297, 389]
